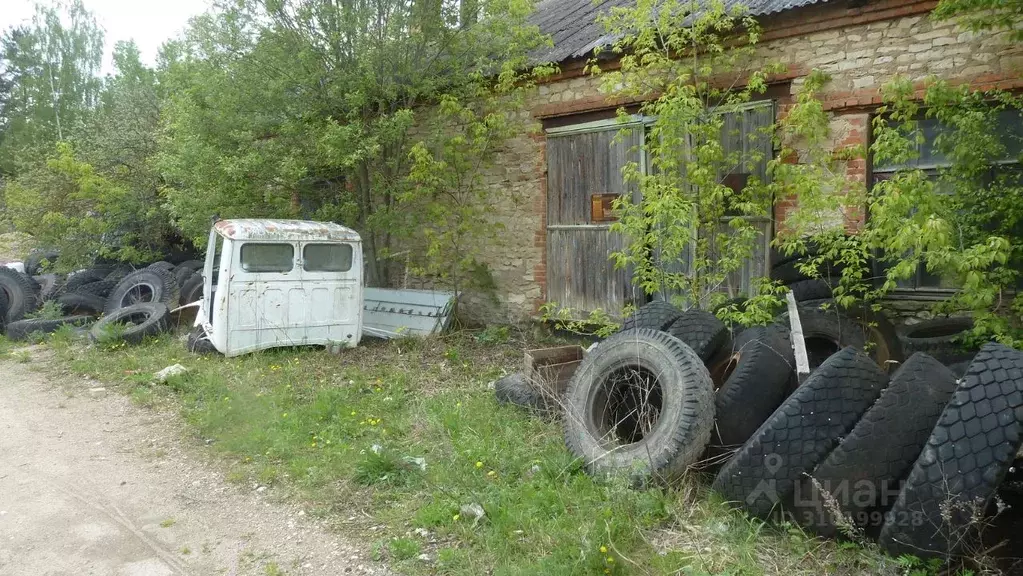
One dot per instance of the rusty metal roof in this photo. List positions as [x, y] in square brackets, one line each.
[572, 24]
[284, 230]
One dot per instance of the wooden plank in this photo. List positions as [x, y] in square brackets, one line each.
[798, 344]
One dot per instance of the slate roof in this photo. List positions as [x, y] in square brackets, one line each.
[573, 27]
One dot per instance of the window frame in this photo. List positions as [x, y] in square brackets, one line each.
[246, 244]
[932, 170]
[351, 257]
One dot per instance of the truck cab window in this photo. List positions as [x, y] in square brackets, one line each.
[267, 257]
[327, 257]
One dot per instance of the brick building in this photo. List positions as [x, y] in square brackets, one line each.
[555, 246]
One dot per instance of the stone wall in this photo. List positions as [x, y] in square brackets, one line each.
[860, 48]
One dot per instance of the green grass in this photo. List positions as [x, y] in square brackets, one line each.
[343, 434]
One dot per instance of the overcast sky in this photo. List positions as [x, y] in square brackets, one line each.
[148, 22]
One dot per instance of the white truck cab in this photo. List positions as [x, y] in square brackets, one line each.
[271, 283]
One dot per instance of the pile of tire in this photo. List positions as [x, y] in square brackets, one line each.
[901, 437]
[137, 300]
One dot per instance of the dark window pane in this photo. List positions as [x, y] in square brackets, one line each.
[267, 257]
[327, 257]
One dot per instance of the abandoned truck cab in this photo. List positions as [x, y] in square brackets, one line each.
[272, 283]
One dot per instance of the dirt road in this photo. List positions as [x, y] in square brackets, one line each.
[93, 485]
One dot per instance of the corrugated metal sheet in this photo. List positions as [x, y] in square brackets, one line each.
[284, 230]
[572, 24]
[389, 313]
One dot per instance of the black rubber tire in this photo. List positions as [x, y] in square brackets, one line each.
[161, 265]
[77, 303]
[764, 473]
[936, 338]
[879, 334]
[20, 291]
[48, 286]
[863, 474]
[23, 329]
[788, 272]
[193, 265]
[4, 303]
[181, 275]
[816, 289]
[757, 377]
[514, 389]
[964, 460]
[146, 319]
[101, 288]
[34, 262]
[83, 277]
[686, 406]
[959, 369]
[146, 285]
[117, 274]
[198, 343]
[701, 331]
[825, 332]
[656, 315]
[191, 290]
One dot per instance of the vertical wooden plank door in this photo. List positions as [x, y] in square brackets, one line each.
[582, 164]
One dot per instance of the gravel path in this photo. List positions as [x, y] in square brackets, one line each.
[92, 485]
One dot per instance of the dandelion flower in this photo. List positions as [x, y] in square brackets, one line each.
[603, 549]
[479, 464]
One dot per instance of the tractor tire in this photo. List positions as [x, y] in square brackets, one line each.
[815, 289]
[937, 338]
[101, 288]
[198, 343]
[191, 290]
[628, 374]
[514, 389]
[964, 461]
[20, 292]
[34, 262]
[656, 315]
[701, 331]
[23, 329]
[144, 286]
[140, 320]
[862, 475]
[77, 303]
[764, 473]
[825, 332]
[756, 380]
[83, 277]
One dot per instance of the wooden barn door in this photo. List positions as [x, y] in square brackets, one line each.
[584, 173]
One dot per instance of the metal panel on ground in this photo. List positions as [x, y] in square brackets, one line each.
[389, 313]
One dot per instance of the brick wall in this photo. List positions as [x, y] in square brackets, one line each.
[860, 48]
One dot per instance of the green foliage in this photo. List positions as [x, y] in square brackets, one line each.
[65, 204]
[48, 80]
[49, 310]
[596, 323]
[964, 223]
[985, 14]
[312, 109]
[307, 421]
[702, 206]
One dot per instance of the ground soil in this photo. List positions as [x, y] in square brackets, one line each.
[91, 484]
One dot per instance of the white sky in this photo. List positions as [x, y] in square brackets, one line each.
[148, 22]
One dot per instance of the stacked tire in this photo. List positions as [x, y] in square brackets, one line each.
[87, 294]
[913, 461]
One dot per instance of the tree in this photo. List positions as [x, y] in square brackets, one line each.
[980, 15]
[287, 108]
[52, 67]
[701, 202]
